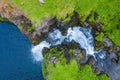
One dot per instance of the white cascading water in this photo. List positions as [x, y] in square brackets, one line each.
[82, 36]
[37, 50]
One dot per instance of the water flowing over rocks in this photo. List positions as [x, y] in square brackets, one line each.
[84, 39]
[105, 59]
[104, 64]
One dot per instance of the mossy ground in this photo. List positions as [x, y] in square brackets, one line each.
[70, 71]
[108, 13]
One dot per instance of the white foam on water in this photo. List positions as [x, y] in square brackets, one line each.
[78, 36]
[82, 36]
[56, 37]
[37, 50]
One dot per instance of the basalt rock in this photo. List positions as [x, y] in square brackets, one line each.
[109, 46]
[46, 26]
[10, 11]
[76, 52]
[12, 14]
[107, 43]
[106, 65]
[74, 20]
[67, 55]
[53, 60]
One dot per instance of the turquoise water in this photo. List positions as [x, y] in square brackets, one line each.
[16, 61]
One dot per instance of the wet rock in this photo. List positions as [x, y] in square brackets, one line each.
[96, 26]
[86, 24]
[73, 45]
[46, 24]
[74, 20]
[85, 58]
[76, 52]
[45, 50]
[53, 60]
[107, 42]
[105, 65]
[117, 50]
[98, 44]
[22, 20]
[113, 56]
[67, 55]
[119, 61]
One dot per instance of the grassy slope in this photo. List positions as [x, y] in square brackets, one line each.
[108, 11]
[36, 11]
[70, 71]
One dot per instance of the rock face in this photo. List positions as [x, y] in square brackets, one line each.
[106, 65]
[13, 14]
[53, 60]
[46, 25]
[8, 10]
[109, 64]
[36, 34]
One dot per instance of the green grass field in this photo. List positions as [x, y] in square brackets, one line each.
[108, 12]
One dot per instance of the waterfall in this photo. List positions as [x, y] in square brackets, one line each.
[37, 50]
[82, 36]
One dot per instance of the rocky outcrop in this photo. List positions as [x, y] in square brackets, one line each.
[110, 63]
[107, 66]
[47, 24]
[12, 13]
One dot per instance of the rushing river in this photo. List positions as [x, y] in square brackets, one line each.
[16, 62]
[78, 34]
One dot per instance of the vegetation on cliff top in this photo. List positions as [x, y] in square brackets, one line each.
[70, 71]
[106, 11]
